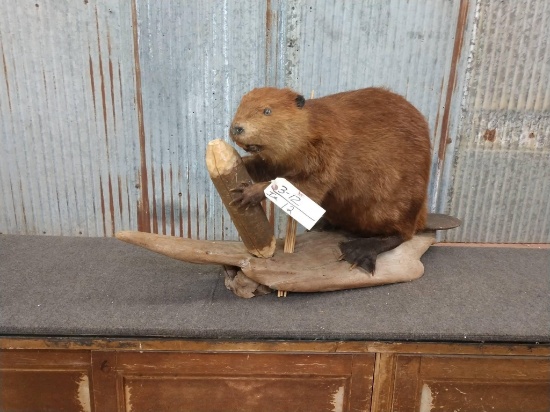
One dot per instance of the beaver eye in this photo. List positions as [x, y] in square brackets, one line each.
[267, 111]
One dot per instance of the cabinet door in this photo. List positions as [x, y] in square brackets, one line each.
[496, 384]
[195, 382]
[34, 380]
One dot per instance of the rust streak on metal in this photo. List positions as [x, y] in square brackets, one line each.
[111, 205]
[451, 83]
[143, 213]
[119, 180]
[23, 205]
[6, 77]
[120, 90]
[92, 84]
[268, 36]
[111, 78]
[163, 204]
[490, 135]
[102, 205]
[102, 78]
[439, 104]
[172, 216]
[13, 202]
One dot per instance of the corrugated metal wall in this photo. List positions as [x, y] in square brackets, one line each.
[196, 61]
[69, 126]
[106, 106]
[500, 177]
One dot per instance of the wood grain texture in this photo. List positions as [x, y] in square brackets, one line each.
[144, 375]
[106, 385]
[290, 236]
[76, 343]
[384, 378]
[425, 383]
[190, 250]
[227, 171]
[313, 267]
[37, 381]
[243, 382]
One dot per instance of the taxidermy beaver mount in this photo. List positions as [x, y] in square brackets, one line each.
[364, 156]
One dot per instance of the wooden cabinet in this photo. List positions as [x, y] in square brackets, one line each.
[38, 380]
[496, 384]
[147, 375]
[141, 382]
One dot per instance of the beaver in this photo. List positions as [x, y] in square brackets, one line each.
[363, 155]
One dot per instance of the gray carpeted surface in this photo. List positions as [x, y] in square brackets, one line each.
[88, 286]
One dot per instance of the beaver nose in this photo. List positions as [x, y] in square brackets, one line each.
[237, 130]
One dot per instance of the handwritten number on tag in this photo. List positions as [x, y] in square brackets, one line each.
[282, 190]
[272, 195]
[293, 202]
[294, 198]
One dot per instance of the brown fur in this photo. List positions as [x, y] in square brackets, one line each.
[363, 155]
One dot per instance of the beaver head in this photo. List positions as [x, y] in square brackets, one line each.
[270, 122]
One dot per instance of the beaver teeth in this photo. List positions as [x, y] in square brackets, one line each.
[252, 148]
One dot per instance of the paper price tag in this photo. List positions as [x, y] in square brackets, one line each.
[293, 202]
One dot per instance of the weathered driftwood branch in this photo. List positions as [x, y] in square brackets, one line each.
[227, 171]
[241, 285]
[190, 250]
[314, 267]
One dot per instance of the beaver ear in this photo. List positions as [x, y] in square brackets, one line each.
[300, 101]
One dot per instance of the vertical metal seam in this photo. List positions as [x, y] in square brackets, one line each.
[451, 84]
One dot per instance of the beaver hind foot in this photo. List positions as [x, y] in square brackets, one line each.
[363, 251]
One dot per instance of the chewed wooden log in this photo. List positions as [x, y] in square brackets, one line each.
[226, 171]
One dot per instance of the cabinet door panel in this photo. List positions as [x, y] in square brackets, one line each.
[45, 381]
[253, 393]
[425, 383]
[240, 382]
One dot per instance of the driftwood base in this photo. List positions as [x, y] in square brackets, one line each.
[314, 267]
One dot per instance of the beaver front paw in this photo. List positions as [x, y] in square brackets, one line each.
[248, 194]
